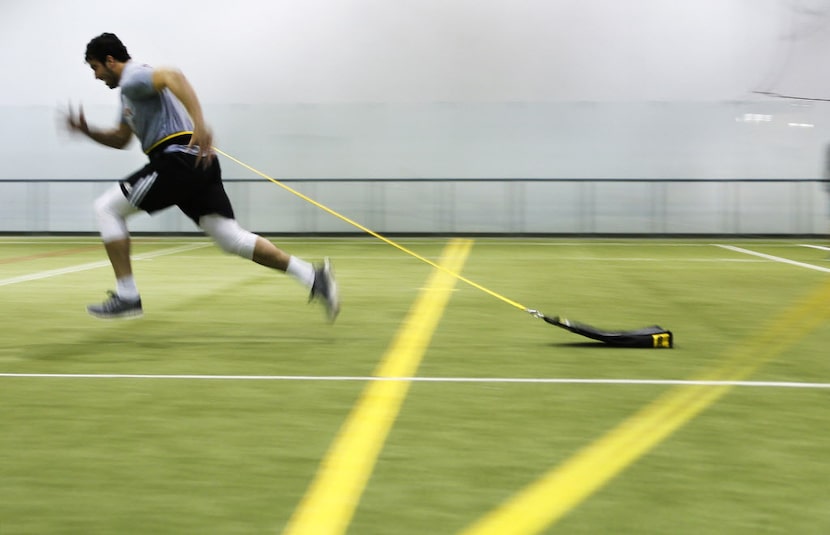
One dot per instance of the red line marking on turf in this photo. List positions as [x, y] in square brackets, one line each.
[62, 252]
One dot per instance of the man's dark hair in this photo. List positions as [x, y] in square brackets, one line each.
[106, 44]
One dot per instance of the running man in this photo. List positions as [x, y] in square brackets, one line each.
[161, 108]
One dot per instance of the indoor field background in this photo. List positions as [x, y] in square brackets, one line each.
[622, 163]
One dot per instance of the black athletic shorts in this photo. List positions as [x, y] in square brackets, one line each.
[172, 178]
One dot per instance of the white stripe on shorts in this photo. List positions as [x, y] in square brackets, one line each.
[141, 187]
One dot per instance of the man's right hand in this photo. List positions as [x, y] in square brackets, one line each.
[76, 123]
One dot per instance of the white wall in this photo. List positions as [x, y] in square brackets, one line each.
[440, 88]
[261, 51]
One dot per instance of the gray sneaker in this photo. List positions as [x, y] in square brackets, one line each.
[115, 307]
[325, 288]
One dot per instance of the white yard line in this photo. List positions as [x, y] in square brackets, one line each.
[94, 265]
[156, 240]
[819, 247]
[773, 258]
[641, 259]
[347, 378]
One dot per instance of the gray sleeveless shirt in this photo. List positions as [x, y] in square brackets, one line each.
[152, 115]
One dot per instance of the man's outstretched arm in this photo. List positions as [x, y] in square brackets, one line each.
[116, 137]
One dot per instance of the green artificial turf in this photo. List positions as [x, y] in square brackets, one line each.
[91, 445]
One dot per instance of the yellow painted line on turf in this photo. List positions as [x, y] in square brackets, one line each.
[329, 503]
[545, 501]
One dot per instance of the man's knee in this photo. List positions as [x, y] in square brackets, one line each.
[111, 210]
[229, 235]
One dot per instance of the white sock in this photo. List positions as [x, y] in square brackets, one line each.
[126, 289]
[301, 270]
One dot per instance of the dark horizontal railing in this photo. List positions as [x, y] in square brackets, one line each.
[407, 180]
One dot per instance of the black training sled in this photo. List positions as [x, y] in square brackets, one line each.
[654, 336]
